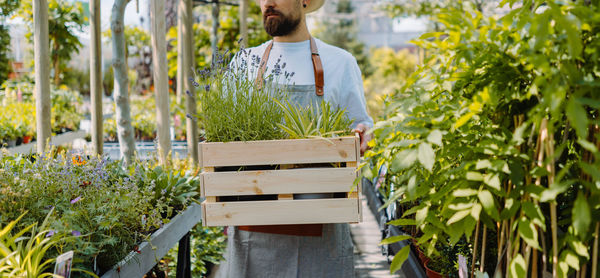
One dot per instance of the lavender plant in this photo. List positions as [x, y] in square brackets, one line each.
[108, 209]
[233, 108]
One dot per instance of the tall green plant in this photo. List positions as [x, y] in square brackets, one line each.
[498, 132]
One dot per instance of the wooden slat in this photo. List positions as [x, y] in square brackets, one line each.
[270, 152]
[308, 180]
[204, 170]
[281, 212]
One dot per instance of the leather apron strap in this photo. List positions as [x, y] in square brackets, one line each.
[316, 61]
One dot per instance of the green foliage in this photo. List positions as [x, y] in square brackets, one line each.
[391, 70]
[313, 121]
[65, 109]
[498, 126]
[7, 7]
[343, 33]
[22, 253]
[137, 48]
[143, 116]
[64, 20]
[4, 49]
[207, 245]
[109, 208]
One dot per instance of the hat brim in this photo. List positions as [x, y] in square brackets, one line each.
[312, 6]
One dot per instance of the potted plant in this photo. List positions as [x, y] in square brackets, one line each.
[249, 127]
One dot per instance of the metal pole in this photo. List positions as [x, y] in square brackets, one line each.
[183, 258]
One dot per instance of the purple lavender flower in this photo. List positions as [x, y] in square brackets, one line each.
[76, 233]
[75, 200]
[50, 233]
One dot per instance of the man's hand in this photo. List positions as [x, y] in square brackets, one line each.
[361, 129]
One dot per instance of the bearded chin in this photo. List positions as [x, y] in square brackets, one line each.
[276, 27]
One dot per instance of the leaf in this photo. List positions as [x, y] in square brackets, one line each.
[534, 213]
[587, 145]
[487, 201]
[426, 156]
[466, 192]
[577, 115]
[484, 163]
[474, 176]
[463, 120]
[517, 267]
[403, 160]
[476, 211]
[528, 232]
[402, 222]
[394, 239]
[435, 137]
[581, 215]
[399, 259]
[421, 215]
[579, 248]
[590, 169]
[459, 215]
[572, 260]
[412, 185]
[492, 180]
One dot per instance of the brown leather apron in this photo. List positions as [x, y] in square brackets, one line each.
[304, 229]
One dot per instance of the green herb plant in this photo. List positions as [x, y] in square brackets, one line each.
[313, 121]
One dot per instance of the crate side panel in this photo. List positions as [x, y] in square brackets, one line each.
[271, 152]
[310, 180]
[282, 212]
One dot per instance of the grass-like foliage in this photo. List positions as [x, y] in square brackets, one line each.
[313, 121]
[23, 252]
[234, 109]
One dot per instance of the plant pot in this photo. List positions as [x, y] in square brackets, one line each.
[27, 139]
[19, 141]
[422, 256]
[432, 273]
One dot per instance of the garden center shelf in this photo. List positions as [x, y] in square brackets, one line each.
[272, 182]
[139, 262]
[60, 139]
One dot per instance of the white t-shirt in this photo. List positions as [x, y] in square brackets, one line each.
[343, 86]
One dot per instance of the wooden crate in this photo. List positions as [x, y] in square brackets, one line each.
[296, 172]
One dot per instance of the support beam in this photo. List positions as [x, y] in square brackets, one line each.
[96, 76]
[119, 63]
[42, 73]
[185, 66]
[214, 33]
[244, 21]
[159, 70]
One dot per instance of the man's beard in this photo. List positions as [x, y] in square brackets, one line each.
[281, 25]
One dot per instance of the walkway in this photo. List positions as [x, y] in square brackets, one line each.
[368, 260]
